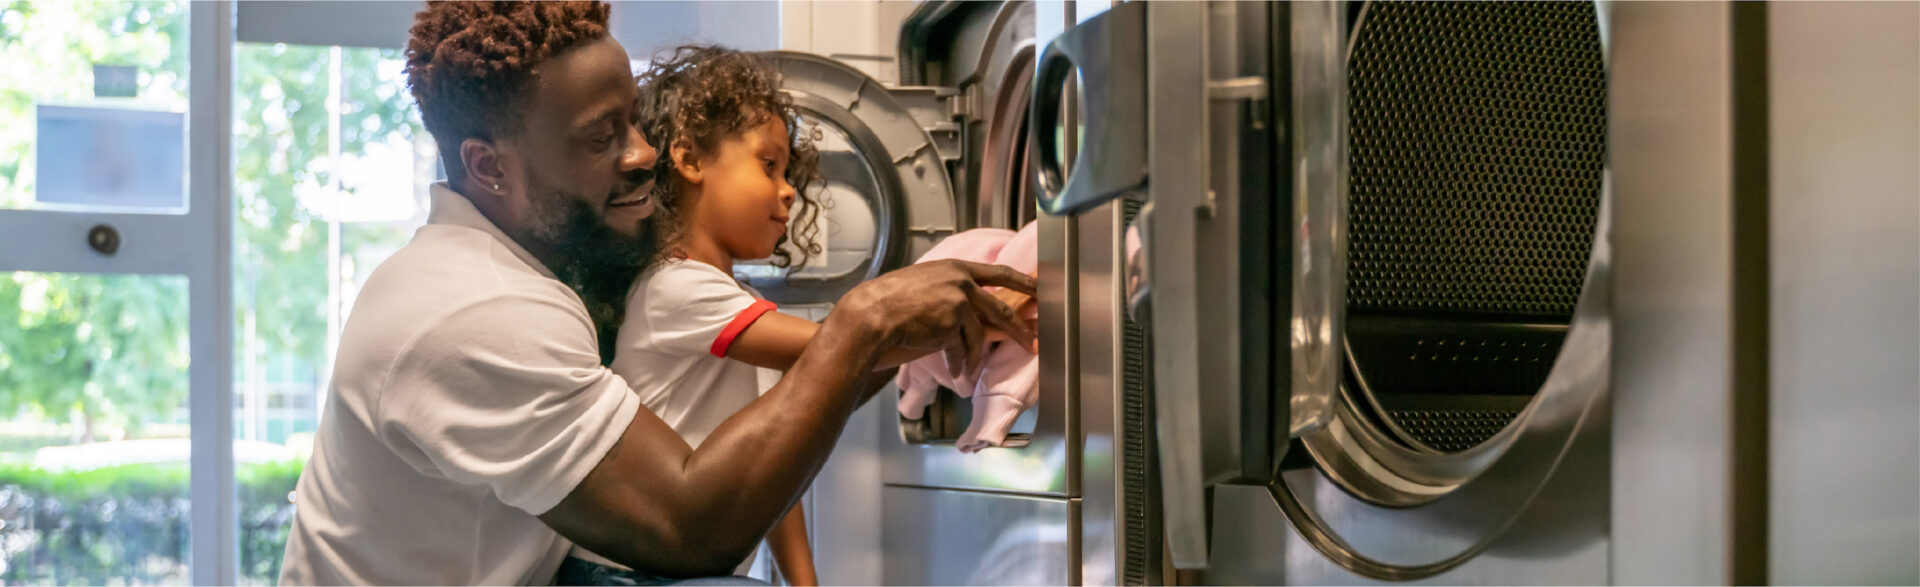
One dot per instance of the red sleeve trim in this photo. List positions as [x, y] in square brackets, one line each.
[739, 325]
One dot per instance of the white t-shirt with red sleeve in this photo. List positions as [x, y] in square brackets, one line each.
[682, 316]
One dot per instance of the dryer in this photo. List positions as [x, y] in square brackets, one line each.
[947, 149]
[1406, 326]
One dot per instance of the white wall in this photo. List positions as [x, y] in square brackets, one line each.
[861, 33]
[648, 27]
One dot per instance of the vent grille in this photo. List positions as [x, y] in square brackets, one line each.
[1138, 475]
[1478, 139]
[1453, 430]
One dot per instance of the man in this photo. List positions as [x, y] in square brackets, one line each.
[471, 432]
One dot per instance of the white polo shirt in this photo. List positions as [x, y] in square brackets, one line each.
[467, 398]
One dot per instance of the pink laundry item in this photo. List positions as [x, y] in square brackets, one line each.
[1022, 251]
[1008, 379]
[1009, 382]
[921, 379]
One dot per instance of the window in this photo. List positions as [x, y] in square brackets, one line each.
[94, 361]
[94, 440]
[331, 169]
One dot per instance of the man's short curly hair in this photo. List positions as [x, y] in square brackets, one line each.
[470, 64]
[702, 94]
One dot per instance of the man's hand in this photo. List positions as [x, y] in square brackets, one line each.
[938, 305]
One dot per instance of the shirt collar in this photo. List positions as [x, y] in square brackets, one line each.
[452, 209]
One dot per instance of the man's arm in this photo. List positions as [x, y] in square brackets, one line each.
[657, 506]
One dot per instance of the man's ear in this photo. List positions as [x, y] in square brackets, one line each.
[685, 163]
[486, 165]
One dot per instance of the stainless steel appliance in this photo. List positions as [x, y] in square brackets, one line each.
[1403, 326]
[1371, 269]
[1350, 292]
[946, 150]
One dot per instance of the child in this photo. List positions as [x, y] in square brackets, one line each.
[731, 172]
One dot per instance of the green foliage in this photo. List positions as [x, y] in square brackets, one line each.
[110, 348]
[129, 524]
[281, 131]
[266, 516]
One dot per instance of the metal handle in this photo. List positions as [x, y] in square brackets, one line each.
[1109, 53]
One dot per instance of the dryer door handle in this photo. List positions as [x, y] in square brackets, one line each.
[1108, 53]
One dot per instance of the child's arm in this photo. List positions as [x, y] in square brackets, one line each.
[791, 551]
[776, 339]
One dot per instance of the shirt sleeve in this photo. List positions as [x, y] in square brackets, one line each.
[687, 310]
[507, 393]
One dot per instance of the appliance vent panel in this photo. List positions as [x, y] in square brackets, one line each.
[1478, 138]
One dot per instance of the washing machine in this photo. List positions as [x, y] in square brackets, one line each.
[1493, 293]
[946, 149]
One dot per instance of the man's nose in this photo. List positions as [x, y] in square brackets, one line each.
[640, 154]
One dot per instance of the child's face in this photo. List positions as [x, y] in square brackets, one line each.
[744, 195]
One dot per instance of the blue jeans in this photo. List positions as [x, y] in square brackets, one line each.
[575, 571]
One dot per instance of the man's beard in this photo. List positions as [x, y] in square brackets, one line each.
[578, 238]
[591, 258]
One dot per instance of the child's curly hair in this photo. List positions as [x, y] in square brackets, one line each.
[702, 94]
